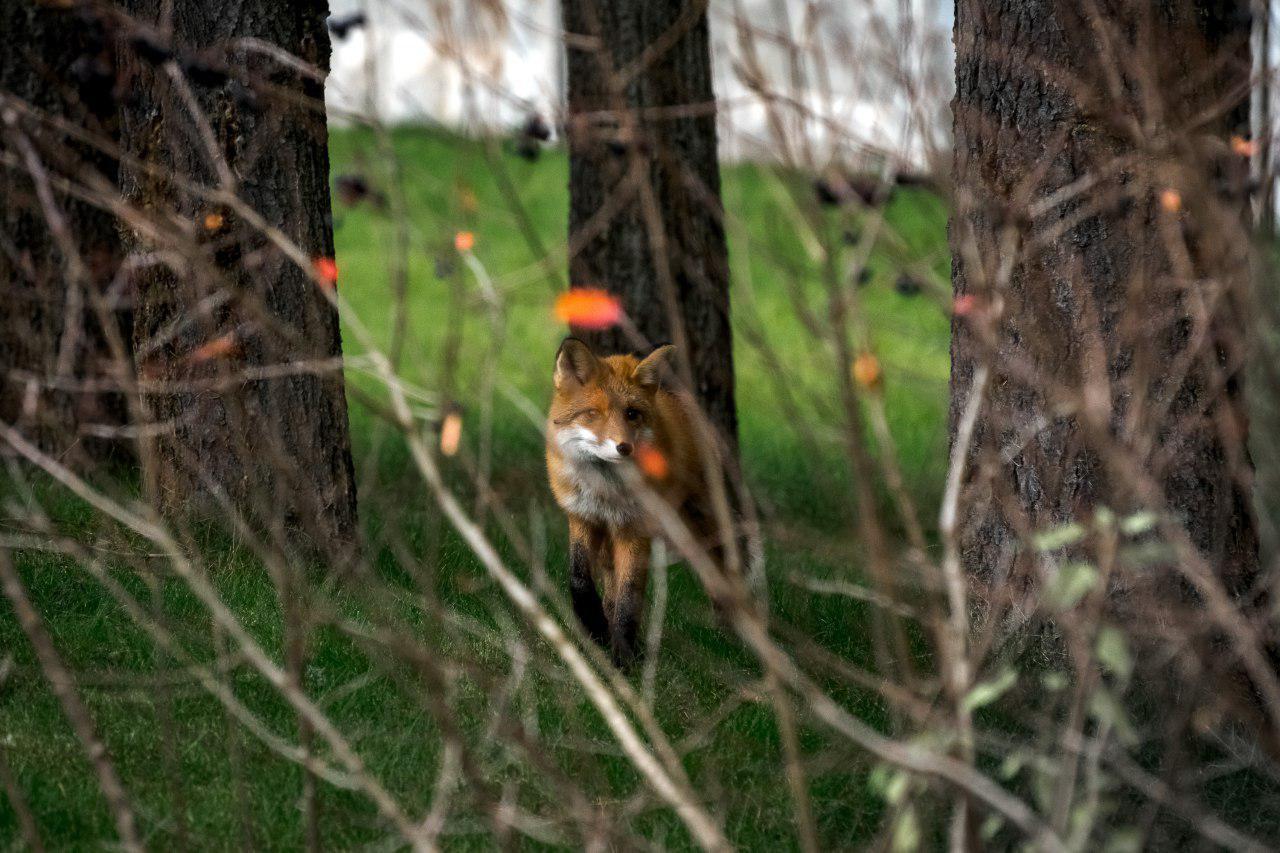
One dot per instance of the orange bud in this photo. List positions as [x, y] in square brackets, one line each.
[1243, 147]
[451, 433]
[213, 221]
[219, 347]
[463, 241]
[588, 308]
[866, 371]
[326, 270]
[651, 461]
[1171, 200]
[964, 305]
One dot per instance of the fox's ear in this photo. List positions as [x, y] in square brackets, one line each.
[655, 369]
[575, 364]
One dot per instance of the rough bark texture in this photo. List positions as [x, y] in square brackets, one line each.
[59, 253]
[645, 216]
[1046, 95]
[278, 448]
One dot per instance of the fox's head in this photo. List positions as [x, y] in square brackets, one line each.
[603, 407]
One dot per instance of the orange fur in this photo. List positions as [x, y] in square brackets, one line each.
[605, 412]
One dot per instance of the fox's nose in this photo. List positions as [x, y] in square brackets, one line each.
[624, 449]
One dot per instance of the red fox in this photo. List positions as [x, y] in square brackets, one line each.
[606, 413]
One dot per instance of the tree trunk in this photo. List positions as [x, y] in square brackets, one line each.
[239, 340]
[1115, 340]
[59, 252]
[645, 216]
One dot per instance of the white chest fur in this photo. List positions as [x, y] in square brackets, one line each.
[598, 494]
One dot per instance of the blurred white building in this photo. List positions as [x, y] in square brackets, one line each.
[841, 78]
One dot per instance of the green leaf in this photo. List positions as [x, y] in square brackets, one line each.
[906, 834]
[1054, 681]
[1147, 553]
[1138, 523]
[1073, 582]
[1126, 840]
[878, 778]
[896, 789]
[986, 692]
[1113, 653]
[1083, 817]
[1059, 537]
[1012, 764]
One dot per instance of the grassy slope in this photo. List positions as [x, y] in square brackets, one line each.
[769, 262]
[738, 764]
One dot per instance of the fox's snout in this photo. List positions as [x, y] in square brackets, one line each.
[582, 443]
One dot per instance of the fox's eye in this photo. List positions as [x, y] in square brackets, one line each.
[633, 414]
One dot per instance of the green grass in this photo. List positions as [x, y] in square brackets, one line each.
[909, 334]
[207, 781]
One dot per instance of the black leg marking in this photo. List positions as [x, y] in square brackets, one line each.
[626, 625]
[586, 600]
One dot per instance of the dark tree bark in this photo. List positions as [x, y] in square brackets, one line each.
[1126, 299]
[645, 216]
[58, 251]
[209, 112]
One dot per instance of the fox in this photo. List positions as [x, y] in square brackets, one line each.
[606, 413]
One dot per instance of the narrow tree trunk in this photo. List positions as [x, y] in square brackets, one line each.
[59, 252]
[645, 216]
[1118, 330]
[224, 305]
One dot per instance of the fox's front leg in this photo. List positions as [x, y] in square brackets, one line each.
[588, 549]
[631, 577]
